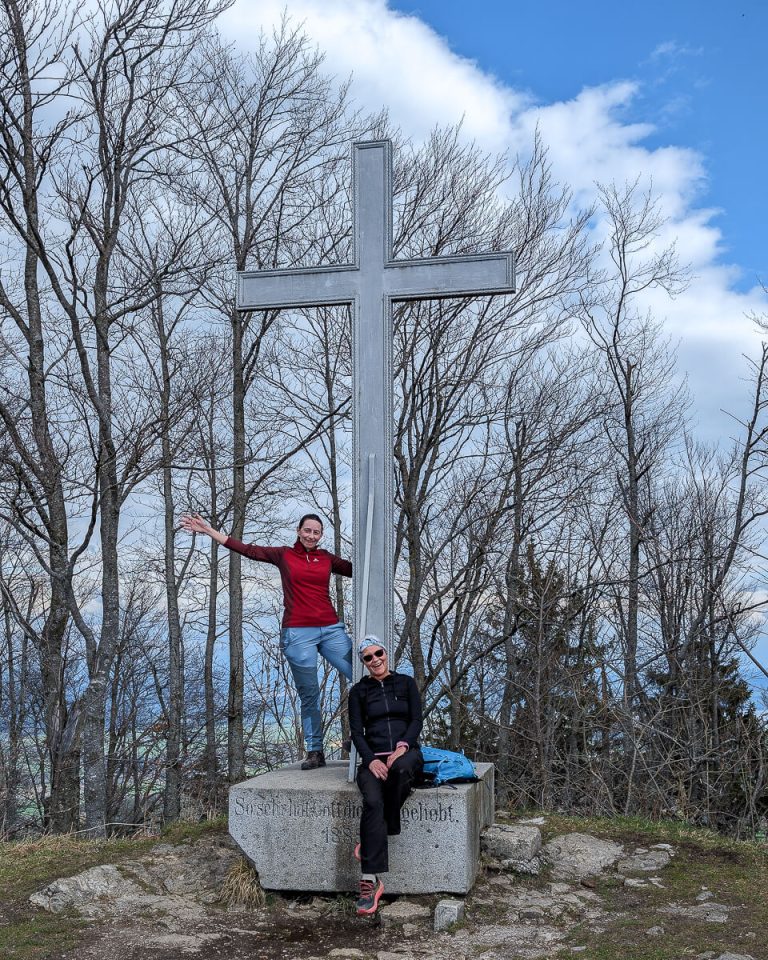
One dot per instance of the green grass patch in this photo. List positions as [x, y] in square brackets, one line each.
[735, 872]
[640, 829]
[37, 936]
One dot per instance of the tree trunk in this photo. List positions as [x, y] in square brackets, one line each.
[509, 628]
[210, 763]
[210, 760]
[100, 660]
[634, 538]
[172, 793]
[29, 166]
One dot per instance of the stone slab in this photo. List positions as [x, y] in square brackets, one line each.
[448, 912]
[577, 855]
[299, 829]
[505, 841]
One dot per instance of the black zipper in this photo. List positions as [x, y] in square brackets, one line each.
[389, 726]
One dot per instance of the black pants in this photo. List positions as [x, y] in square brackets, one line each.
[382, 802]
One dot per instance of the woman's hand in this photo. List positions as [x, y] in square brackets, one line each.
[378, 769]
[194, 523]
[401, 751]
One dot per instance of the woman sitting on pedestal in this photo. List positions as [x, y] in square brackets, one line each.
[385, 722]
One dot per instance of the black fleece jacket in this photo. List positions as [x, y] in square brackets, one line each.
[383, 713]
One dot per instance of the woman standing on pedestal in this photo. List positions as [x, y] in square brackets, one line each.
[385, 721]
[310, 622]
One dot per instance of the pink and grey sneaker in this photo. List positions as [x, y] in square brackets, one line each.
[370, 893]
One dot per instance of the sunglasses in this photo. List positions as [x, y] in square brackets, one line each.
[377, 654]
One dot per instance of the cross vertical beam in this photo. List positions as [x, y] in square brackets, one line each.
[372, 391]
[369, 285]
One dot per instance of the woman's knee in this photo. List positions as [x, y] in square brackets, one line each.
[371, 790]
[301, 660]
[409, 764]
[336, 646]
[305, 680]
[300, 647]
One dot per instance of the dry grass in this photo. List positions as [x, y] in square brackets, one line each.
[28, 865]
[242, 887]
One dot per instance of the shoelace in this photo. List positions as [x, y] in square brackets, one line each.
[366, 888]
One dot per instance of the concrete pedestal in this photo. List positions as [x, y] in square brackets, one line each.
[300, 828]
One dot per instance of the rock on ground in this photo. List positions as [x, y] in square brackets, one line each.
[89, 892]
[577, 855]
[511, 842]
[448, 912]
[172, 880]
[644, 861]
[710, 912]
[186, 869]
[403, 911]
[726, 956]
[509, 940]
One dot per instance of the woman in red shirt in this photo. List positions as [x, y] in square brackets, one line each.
[310, 622]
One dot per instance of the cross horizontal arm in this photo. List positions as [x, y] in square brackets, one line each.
[450, 277]
[316, 287]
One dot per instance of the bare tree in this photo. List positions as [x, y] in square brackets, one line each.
[260, 130]
[647, 410]
[551, 417]
[32, 50]
[121, 69]
[451, 357]
[167, 249]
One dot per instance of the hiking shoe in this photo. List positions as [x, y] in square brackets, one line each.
[358, 856]
[370, 892]
[315, 759]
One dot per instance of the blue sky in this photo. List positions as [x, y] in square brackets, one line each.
[701, 72]
[673, 94]
[702, 69]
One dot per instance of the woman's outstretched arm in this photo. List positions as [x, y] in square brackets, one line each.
[194, 523]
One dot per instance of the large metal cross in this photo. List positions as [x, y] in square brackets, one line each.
[370, 285]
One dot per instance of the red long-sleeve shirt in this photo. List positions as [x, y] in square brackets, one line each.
[305, 575]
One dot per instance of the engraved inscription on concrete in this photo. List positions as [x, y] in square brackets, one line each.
[300, 830]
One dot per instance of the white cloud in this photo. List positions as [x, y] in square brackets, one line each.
[672, 49]
[590, 142]
[399, 62]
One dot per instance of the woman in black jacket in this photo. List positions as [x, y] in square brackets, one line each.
[385, 722]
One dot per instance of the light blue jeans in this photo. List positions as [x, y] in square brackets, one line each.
[301, 646]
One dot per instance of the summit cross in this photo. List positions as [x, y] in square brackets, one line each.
[370, 285]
